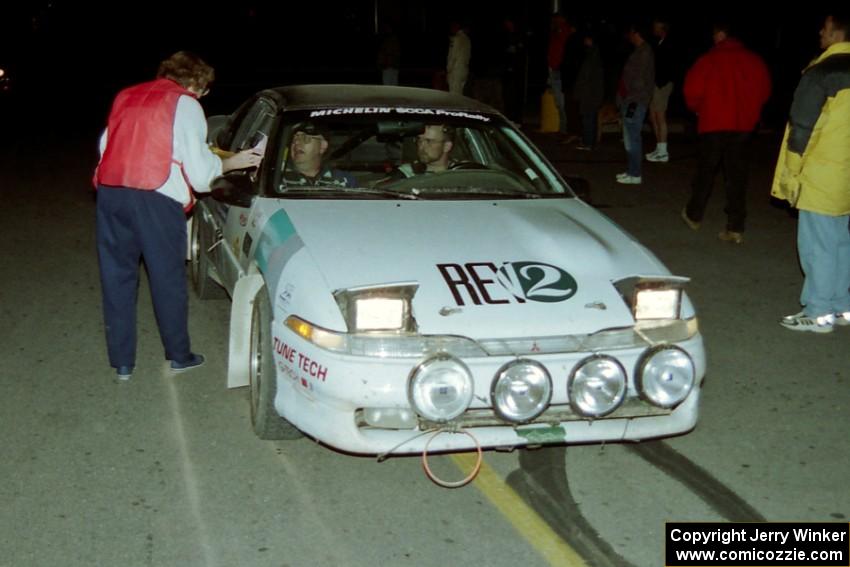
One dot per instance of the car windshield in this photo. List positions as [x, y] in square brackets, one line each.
[412, 153]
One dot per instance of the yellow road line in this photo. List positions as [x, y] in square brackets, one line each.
[531, 527]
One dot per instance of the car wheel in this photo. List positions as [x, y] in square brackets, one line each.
[265, 420]
[199, 262]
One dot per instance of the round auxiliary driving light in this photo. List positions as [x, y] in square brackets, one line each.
[521, 391]
[665, 376]
[597, 386]
[440, 388]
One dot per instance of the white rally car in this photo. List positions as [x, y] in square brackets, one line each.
[381, 299]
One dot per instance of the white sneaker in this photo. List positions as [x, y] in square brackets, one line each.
[658, 157]
[799, 322]
[629, 179]
[842, 319]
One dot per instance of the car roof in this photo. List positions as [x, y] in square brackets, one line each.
[308, 97]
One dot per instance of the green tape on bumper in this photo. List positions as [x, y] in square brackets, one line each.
[543, 435]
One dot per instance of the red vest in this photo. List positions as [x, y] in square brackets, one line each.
[139, 150]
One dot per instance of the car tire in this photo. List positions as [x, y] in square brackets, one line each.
[199, 262]
[265, 420]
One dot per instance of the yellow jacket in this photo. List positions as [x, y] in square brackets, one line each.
[818, 179]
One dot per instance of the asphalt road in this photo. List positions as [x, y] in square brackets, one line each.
[164, 470]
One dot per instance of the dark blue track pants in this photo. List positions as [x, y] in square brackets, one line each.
[134, 225]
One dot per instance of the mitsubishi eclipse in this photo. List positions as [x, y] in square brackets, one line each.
[405, 261]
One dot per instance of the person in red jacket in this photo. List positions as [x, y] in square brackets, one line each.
[727, 88]
[153, 154]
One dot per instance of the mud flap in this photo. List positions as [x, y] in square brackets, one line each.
[239, 348]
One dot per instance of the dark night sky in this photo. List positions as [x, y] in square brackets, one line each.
[78, 54]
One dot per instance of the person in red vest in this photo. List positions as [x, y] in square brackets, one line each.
[153, 154]
[727, 88]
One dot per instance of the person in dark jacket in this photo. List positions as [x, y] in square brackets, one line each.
[512, 69]
[389, 57]
[589, 91]
[727, 88]
[633, 96]
[664, 69]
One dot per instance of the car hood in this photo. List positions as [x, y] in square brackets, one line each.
[497, 269]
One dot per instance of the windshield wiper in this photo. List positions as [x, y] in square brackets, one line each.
[337, 192]
[476, 193]
[509, 193]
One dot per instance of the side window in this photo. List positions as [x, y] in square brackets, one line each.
[254, 126]
[221, 129]
[465, 146]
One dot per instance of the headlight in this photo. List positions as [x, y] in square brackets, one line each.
[653, 297]
[665, 376]
[597, 386]
[378, 313]
[657, 303]
[385, 308]
[440, 389]
[521, 390]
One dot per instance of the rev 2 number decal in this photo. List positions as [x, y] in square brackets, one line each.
[485, 283]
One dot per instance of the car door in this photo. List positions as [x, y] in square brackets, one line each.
[247, 128]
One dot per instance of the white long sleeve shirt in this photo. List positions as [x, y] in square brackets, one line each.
[189, 147]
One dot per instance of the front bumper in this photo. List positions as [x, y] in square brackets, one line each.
[324, 394]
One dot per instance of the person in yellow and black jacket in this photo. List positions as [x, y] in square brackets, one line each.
[813, 174]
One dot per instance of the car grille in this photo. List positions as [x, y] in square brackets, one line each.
[555, 414]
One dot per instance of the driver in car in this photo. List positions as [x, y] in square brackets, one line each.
[433, 147]
[304, 168]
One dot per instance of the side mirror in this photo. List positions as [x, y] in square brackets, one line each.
[215, 126]
[234, 188]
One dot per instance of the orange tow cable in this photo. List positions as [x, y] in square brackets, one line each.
[449, 484]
